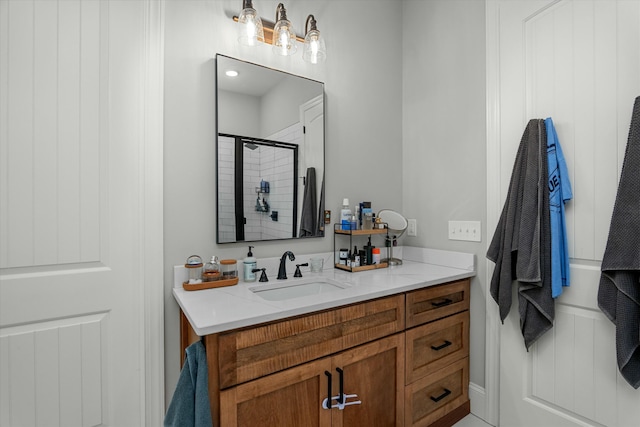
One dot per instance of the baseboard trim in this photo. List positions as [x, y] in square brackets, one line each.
[478, 398]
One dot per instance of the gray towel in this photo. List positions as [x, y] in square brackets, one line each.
[521, 245]
[535, 299]
[308, 219]
[320, 230]
[619, 290]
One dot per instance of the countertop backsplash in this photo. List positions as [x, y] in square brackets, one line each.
[460, 260]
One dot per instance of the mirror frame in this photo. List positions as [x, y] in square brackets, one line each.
[298, 195]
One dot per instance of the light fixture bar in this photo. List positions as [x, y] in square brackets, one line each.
[268, 31]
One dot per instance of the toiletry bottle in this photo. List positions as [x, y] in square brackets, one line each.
[345, 215]
[250, 263]
[344, 256]
[211, 270]
[356, 257]
[194, 267]
[368, 253]
[375, 256]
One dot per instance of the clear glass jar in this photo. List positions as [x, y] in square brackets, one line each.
[229, 268]
[212, 270]
[194, 267]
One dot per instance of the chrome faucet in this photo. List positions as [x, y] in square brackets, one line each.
[282, 271]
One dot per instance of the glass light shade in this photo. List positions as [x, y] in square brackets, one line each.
[250, 31]
[314, 50]
[284, 38]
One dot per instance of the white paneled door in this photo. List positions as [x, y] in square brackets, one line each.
[579, 63]
[80, 204]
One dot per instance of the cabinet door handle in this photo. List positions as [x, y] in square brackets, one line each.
[441, 346]
[446, 393]
[341, 382]
[442, 303]
[328, 374]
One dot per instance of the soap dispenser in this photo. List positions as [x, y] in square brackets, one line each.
[250, 263]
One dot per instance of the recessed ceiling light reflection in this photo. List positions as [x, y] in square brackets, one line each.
[231, 73]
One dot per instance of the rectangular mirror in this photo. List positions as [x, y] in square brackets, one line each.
[269, 154]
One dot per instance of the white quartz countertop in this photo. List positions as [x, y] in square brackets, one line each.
[221, 309]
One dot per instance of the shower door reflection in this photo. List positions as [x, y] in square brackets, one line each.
[257, 189]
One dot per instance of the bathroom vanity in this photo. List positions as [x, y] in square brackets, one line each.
[390, 348]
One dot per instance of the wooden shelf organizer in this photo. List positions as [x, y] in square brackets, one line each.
[337, 230]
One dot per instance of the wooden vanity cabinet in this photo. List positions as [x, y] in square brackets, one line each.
[276, 374]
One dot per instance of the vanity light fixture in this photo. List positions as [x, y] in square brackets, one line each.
[284, 38]
[251, 30]
[280, 34]
[314, 49]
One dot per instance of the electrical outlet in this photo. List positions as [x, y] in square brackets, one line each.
[465, 230]
[412, 227]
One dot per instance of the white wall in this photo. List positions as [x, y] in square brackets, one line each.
[444, 173]
[363, 85]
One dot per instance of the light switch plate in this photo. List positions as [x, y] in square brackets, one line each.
[465, 230]
[412, 227]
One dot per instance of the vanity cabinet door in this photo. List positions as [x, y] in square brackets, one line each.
[291, 398]
[375, 372]
[294, 397]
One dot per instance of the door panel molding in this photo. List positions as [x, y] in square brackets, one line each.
[64, 361]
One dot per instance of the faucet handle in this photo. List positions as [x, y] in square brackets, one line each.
[263, 276]
[298, 273]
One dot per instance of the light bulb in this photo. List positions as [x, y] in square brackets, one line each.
[251, 30]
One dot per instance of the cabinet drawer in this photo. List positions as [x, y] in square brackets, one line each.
[429, 304]
[434, 396]
[435, 345]
[250, 353]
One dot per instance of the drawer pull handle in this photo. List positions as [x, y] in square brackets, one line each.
[446, 393]
[442, 303]
[441, 346]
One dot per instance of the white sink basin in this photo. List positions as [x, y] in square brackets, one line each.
[297, 288]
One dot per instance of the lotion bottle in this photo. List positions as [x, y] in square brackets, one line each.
[345, 215]
[250, 263]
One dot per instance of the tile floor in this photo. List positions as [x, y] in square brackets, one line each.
[471, 421]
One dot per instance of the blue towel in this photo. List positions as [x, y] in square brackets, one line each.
[190, 406]
[559, 193]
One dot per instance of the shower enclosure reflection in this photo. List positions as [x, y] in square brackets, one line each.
[256, 189]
